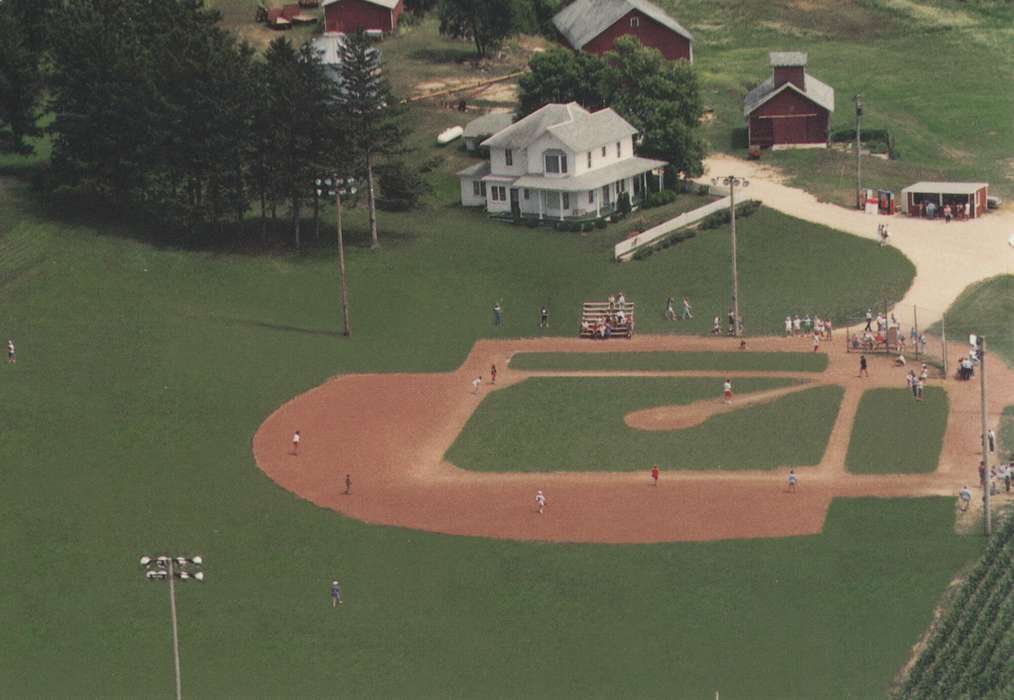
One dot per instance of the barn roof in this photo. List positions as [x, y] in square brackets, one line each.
[784, 59]
[816, 91]
[389, 4]
[583, 20]
[945, 187]
[525, 131]
[488, 124]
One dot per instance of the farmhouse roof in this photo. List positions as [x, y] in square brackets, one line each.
[820, 93]
[389, 4]
[488, 124]
[591, 130]
[946, 187]
[524, 131]
[784, 59]
[628, 167]
[583, 20]
[477, 170]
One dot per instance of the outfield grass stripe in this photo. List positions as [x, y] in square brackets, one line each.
[670, 361]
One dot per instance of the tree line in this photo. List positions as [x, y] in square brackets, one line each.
[156, 109]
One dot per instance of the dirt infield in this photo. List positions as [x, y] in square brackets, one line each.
[391, 431]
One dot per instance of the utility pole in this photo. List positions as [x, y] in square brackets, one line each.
[731, 181]
[341, 186]
[859, 167]
[176, 634]
[985, 436]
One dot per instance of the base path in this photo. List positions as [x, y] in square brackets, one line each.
[390, 433]
[947, 257]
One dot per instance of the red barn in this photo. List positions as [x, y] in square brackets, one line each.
[372, 16]
[595, 25]
[791, 108]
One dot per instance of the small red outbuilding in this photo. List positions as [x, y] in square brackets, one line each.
[791, 108]
[595, 25]
[371, 16]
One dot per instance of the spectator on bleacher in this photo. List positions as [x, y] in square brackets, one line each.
[586, 327]
[612, 302]
[670, 309]
[621, 301]
[621, 317]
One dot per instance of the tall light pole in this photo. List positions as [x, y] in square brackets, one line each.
[335, 187]
[980, 344]
[732, 182]
[858, 99]
[165, 568]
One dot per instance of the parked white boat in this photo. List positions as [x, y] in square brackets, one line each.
[448, 135]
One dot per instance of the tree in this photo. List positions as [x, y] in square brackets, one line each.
[401, 187]
[418, 8]
[485, 22]
[297, 99]
[20, 83]
[561, 75]
[660, 98]
[369, 112]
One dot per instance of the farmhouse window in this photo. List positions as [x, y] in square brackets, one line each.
[482, 188]
[556, 163]
[589, 159]
[603, 151]
[618, 146]
[591, 196]
[566, 200]
[475, 188]
[526, 193]
[635, 22]
[605, 194]
[499, 193]
[508, 156]
[553, 200]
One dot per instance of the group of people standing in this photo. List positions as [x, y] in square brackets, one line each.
[686, 310]
[916, 382]
[807, 325]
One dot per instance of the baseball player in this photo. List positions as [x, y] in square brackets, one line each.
[792, 481]
[295, 443]
[336, 594]
[540, 501]
[654, 474]
[475, 384]
[727, 391]
[12, 355]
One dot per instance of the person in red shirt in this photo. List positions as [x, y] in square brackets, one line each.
[492, 373]
[654, 474]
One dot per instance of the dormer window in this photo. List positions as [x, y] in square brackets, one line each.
[556, 163]
[589, 159]
[618, 149]
[603, 151]
[508, 156]
[635, 22]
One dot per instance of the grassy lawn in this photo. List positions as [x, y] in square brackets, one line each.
[895, 434]
[1005, 434]
[576, 424]
[867, 47]
[985, 308]
[671, 361]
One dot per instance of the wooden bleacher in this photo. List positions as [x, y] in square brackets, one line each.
[594, 313]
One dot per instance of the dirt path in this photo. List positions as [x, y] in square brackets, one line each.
[948, 257]
[390, 432]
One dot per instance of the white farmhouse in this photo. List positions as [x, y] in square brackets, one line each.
[560, 162]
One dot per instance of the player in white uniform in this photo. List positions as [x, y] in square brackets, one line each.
[540, 501]
[475, 385]
[295, 443]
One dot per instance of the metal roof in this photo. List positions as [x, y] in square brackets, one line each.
[628, 167]
[524, 131]
[945, 187]
[816, 91]
[389, 4]
[583, 20]
[787, 58]
[488, 124]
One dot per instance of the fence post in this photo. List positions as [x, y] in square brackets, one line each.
[915, 324]
[943, 341]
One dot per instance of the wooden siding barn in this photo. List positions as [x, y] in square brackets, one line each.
[595, 25]
[791, 108]
[372, 16]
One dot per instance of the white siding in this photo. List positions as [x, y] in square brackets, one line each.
[498, 162]
[468, 196]
[547, 142]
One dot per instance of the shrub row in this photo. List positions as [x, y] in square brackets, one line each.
[721, 218]
[667, 242]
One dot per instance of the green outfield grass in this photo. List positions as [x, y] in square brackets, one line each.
[984, 308]
[142, 375]
[895, 434]
[670, 361]
[576, 424]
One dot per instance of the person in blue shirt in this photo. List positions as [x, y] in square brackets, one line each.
[336, 594]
